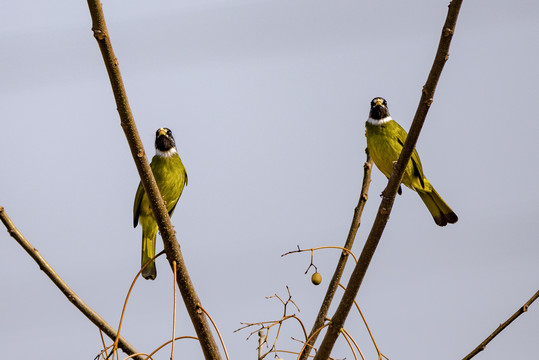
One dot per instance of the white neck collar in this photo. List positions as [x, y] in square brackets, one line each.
[380, 121]
[165, 154]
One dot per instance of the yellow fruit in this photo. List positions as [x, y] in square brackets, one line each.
[316, 278]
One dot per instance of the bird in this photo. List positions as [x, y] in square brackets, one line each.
[385, 140]
[171, 177]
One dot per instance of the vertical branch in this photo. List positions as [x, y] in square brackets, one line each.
[64, 288]
[261, 341]
[388, 195]
[335, 280]
[172, 248]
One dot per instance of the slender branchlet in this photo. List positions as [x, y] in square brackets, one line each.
[499, 329]
[65, 289]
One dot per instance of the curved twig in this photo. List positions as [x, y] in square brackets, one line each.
[127, 299]
[139, 354]
[380, 355]
[168, 342]
[316, 332]
[217, 330]
[348, 338]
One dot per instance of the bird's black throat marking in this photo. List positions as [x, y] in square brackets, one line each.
[164, 143]
[379, 112]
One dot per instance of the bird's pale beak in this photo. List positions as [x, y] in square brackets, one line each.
[162, 132]
[378, 102]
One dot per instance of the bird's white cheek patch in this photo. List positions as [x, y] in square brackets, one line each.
[379, 122]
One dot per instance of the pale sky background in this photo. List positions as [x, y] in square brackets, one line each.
[267, 101]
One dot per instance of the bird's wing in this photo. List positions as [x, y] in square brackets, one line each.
[174, 207]
[136, 205]
[416, 162]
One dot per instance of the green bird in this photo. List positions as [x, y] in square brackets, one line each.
[171, 177]
[385, 140]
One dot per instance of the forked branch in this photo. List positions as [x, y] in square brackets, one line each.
[335, 280]
[390, 191]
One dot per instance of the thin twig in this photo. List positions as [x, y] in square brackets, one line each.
[302, 326]
[267, 325]
[293, 352]
[217, 330]
[139, 354]
[314, 334]
[350, 346]
[172, 248]
[388, 195]
[312, 263]
[380, 355]
[348, 338]
[105, 347]
[263, 324]
[166, 343]
[127, 299]
[519, 312]
[64, 288]
[115, 348]
[103, 352]
[344, 250]
[333, 284]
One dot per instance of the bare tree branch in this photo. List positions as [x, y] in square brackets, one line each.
[64, 288]
[335, 280]
[500, 328]
[388, 195]
[172, 248]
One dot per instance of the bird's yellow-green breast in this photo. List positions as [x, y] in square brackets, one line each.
[385, 142]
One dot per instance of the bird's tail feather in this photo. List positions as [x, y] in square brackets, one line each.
[440, 211]
[148, 252]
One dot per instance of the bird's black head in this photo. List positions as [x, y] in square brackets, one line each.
[378, 108]
[164, 141]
